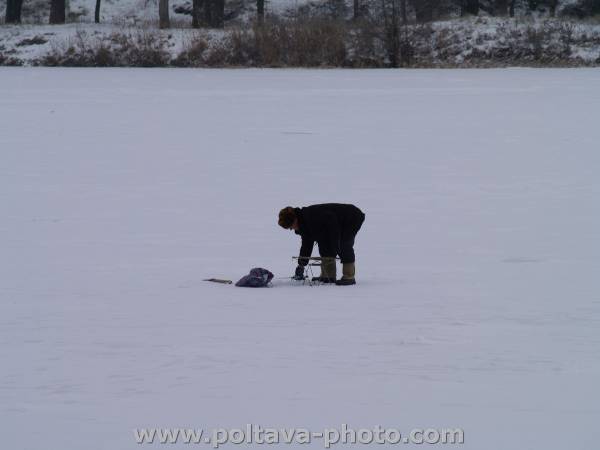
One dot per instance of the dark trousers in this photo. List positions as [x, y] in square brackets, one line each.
[346, 244]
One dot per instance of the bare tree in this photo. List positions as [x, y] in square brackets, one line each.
[394, 36]
[207, 11]
[500, 7]
[214, 13]
[404, 12]
[260, 10]
[196, 13]
[423, 10]
[511, 8]
[13, 11]
[426, 10]
[470, 7]
[391, 30]
[163, 14]
[57, 11]
[97, 12]
[219, 14]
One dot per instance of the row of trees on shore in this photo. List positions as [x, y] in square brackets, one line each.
[204, 12]
[211, 13]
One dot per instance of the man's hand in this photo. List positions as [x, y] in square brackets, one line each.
[299, 275]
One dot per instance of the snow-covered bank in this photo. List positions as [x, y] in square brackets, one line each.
[472, 42]
[478, 298]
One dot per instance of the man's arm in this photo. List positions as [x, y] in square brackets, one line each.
[305, 251]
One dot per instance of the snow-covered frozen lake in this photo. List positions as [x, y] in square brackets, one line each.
[478, 303]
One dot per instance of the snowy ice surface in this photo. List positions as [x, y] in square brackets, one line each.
[478, 296]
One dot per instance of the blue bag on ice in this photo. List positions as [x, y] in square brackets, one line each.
[258, 277]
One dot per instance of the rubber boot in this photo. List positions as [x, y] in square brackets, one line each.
[328, 270]
[348, 272]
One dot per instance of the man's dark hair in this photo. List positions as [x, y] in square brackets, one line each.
[287, 216]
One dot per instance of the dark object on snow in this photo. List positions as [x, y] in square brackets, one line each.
[299, 273]
[36, 40]
[218, 280]
[258, 277]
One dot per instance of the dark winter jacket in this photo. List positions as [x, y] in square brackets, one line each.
[327, 224]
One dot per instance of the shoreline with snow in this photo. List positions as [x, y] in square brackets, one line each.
[483, 42]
